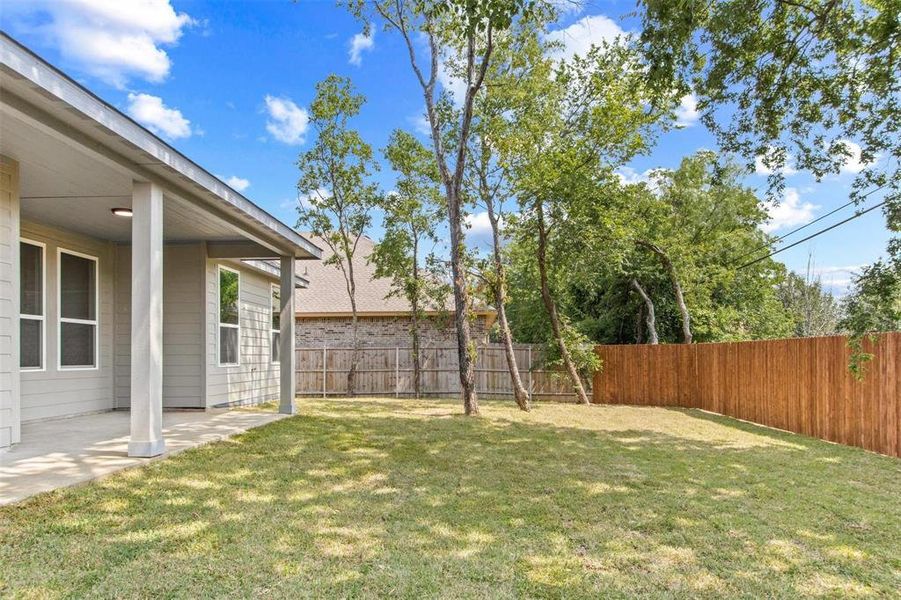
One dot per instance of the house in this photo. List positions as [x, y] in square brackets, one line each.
[324, 312]
[130, 277]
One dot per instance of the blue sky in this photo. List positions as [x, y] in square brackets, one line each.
[227, 82]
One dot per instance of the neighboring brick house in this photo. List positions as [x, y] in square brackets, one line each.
[324, 315]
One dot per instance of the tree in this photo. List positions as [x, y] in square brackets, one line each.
[411, 217]
[464, 29]
[703, 216]
[808, 84]
[873, 305]
[814, 310]
[489, 179]
[648, 311]
[334, 180]
[581, 119]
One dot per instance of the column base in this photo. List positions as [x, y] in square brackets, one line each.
[287, 409]
[147, 449]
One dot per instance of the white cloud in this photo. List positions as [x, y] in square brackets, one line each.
[237, 183]
[360, 43]
[687, 111]
[304, 199]
[287, 122]
[421, 124]
[109, 39]
[837, 279]
[478, 223]
[156, 116]
[788, 213]
[852, 163]
[579, 37]
[629, 176]
[455, 86]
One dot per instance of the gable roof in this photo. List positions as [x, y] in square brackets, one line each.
[327, 295]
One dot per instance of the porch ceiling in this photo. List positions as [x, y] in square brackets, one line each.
[67, 188]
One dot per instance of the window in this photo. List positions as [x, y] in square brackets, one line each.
[77, 310]
[276, 322]
[229, 317]
[31, 306]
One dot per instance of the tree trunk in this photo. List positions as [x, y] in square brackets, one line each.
[519, 391]
[639, 324]
[355, 353]
[465, 347]
[414, 329]
[651, 319]
[677, 289]
[551, 308]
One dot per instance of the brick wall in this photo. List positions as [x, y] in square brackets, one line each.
[381, 331]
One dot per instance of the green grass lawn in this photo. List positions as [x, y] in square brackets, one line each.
[371, 498]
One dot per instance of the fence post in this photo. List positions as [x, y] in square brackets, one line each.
[397, 371]
[324, 372]
[530, 372]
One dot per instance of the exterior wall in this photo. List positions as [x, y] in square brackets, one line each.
[256, 378]
[381, 331]
[57, 393]
[183, 326]
[10, 417]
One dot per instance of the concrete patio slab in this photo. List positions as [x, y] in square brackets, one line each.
[65, 452]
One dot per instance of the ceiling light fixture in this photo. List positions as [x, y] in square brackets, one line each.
[122, 212]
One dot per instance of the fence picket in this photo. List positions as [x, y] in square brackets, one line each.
[800, 385]
[388, 371]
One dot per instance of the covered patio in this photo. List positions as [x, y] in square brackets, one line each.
[133, 279]
[66, 452]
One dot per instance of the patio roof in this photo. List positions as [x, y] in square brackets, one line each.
[39, 95]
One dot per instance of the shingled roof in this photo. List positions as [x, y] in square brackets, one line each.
[326, 295]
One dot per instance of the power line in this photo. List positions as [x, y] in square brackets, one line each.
[806, 225]
[813, 235]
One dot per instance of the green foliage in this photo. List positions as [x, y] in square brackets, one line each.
[411, 216]
[805, 82]
[704, 218]
[873, 305]
[335, 173]
[813, 309]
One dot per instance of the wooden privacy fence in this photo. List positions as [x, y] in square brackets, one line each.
[801, 385]
[388, 371]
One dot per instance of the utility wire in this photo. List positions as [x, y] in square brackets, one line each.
[806, 225]
[813, 235]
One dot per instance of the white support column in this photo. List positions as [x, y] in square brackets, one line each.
[146, 321]
[286, 355]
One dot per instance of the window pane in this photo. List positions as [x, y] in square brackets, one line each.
[30, 340]
[76, 345]
[275, 346]
[228, 297]
[77, 287]
[228, 345]
[276, 308]
[32, 296]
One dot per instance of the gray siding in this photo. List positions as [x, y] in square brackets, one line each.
[183, 327]
[256, 379]
[53, 392]
[9, 302]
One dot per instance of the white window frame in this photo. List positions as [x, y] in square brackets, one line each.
[272, 332]
[43, 316]
[219, 323]
[59, 311]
